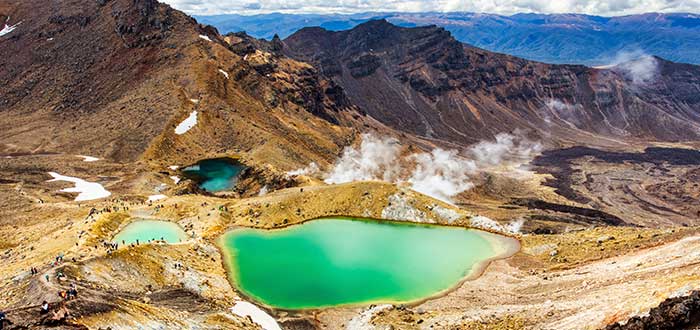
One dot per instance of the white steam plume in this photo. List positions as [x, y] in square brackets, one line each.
[507, 149]
[440, 173]
[310, 169]
[375, 160]
[563, 111]
[637, 66]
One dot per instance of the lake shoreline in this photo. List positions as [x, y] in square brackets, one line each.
[503, 247]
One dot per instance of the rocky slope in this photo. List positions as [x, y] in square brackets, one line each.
[114, 78]
[424, 81]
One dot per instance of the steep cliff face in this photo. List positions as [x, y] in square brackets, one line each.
[424, 81]
[114, 78]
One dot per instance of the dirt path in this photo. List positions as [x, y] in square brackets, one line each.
[587, 297]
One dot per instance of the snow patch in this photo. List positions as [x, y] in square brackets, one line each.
[195, 101]
[173, 167]
[154, 198]
[187, 124]
[89, 158]
[7, 29]
[246, 309]
[205, 37]
[175, 179]
[86, 190]
[224, 73]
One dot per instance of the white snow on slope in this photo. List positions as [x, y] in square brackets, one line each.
[173, 167]
[86, 190]
[7, 29]
[89, 158]
[187, 124]
[175, 179]
[245, 309]
[224, 73]
[204, 37]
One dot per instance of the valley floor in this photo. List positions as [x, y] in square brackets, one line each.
[585, 277]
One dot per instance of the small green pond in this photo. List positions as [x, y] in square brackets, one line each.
[340, 261]
[145, 230]
[214, 175]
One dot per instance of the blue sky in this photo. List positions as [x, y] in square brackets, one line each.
[593, 7]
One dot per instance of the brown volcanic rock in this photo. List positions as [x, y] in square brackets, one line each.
[113, 78]
[424, 81]
[672, 313]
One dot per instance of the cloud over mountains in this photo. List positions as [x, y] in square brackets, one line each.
[593, 7]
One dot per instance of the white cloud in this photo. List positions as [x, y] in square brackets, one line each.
[593, 7]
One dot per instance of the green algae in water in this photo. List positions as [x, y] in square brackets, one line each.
[332, 262]
[214, 175]
[145, 230]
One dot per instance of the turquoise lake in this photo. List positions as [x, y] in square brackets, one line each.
[214, 175]
[342, 261]
[145, 230]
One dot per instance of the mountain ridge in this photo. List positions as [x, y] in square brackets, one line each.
[551, 38]
[416, 78]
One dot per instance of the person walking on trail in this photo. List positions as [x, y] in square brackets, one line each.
[72, 292]
[44, 308]
[3, 320]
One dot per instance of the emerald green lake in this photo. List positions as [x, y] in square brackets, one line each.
[145, 230]
[214, 175]
[339, 261]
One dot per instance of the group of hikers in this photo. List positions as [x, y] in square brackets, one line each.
[59, 311]
[69, 294]
[48, 313]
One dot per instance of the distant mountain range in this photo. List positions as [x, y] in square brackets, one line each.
[557, 38]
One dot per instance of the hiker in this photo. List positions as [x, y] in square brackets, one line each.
[72, 292]
[44, 308]
[47, 277]
[3, 318]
